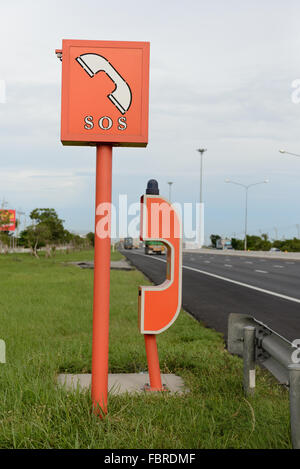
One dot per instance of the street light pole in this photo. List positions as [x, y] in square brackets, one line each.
[289, 153]
[201, 214]
[246, 219]
[19, 213]
[170, 190]
[246, 187]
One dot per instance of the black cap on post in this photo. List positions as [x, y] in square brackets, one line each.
[152, 187]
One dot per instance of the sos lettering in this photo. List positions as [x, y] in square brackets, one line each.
[104, 123]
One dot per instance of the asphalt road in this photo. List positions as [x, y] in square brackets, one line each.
[215, 286]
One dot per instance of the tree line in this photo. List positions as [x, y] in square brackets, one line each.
[261, 243]
[47, 231]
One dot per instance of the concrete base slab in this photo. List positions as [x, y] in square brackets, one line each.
[122, 382]
[114, 265]
[120, 265]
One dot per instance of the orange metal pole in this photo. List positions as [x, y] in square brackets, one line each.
[101, 283]
[153, 362]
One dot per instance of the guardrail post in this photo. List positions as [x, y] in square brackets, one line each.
[294, 381]
[249, 360]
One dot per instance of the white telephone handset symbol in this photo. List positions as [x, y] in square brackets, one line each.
[121, 96]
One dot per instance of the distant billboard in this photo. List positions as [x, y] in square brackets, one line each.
[7, 220]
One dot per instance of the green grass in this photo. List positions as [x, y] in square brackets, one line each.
[46, 322]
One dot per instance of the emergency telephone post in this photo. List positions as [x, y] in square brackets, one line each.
[104, 102]
[160, 305]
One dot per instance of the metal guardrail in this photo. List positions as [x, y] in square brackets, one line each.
[257, 343]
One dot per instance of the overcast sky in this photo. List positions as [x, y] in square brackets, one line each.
[221, 75]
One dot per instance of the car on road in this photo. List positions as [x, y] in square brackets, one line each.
[128, 243]
[154, 247]
[223, 243]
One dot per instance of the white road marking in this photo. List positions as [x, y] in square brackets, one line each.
[279, 266]
[248, 262]
[207, 262]
[235, 282]
[227, 265]
[261, 271]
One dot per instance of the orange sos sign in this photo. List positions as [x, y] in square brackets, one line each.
[105, 92]
[7, 220]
